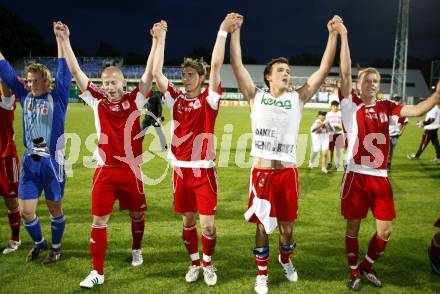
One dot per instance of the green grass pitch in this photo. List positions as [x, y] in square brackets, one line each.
[319, 232]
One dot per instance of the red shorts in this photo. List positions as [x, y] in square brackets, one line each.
[337, 140]
[111, 183]
[437, 223]
[195, 190]
[360, 192]
[280, 188]
[9, 174]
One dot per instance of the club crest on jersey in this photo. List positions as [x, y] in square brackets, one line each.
[115, 108]
[44, 110]
[196, 104]
[125, 105]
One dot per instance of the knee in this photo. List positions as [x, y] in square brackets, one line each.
[27, 214]
[384, 233]
[208, 228]
[55, 210]
[100, 220]
[136, 215]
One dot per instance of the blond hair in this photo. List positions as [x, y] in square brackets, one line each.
[113, 69]
[362, 73]
[39, 68]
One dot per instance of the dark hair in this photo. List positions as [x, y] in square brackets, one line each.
[268, 68]
[198, 64]
[322, 113]
[335, 103]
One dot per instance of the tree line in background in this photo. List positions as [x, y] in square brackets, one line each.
[14, 46]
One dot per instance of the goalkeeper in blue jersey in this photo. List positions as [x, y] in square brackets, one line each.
[42, 165]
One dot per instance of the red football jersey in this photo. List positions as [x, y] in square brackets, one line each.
[367, 132]
[7, 144]
[192, 137]
[117, 125]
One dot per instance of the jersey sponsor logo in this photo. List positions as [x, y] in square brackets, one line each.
[125, 105]
[286, 104]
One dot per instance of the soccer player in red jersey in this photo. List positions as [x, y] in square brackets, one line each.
[9, 167]
[192, 151]
[276, 115]
[434, 251]
[118, 156]
[365, 184]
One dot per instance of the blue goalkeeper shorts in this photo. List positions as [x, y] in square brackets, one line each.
[38, 174]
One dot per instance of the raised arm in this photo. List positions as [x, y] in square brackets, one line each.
[424, 106]
[159, 32]
[244, 79]
[317, 78]
[147, 78]
[228, 25]
[6, 95]
[80, 77]
[345, 61]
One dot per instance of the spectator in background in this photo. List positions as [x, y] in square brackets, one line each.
[319, 141]
[431, 125]
[154, 117]
[336, 134]
[397, 124]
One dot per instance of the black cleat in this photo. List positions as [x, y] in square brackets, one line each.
[435, 262]
[35, 251]
[52, 257]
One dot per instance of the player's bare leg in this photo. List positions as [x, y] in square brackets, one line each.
[191, 241]
[324, 161]
[98, 247]
[137, 231]
[286, 250]
[14, 223]
[33, 227]
[352, 249]
[209, 239]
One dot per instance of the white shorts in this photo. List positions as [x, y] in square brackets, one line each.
[319, 142]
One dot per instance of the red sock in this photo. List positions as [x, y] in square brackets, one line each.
[375, 249]
[98, 245]
[352, 249]
[208, 245]
[14, 223]
[285, 252]
[191, 241]
[435, 245]
[262, 259]
[137, 231]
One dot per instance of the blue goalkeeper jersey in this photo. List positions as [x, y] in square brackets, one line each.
[43, 116]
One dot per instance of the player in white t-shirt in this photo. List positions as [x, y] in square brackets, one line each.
[431, 124]
[365, 184]
[275, 116]
[192, 152]
[336, 135]
[319, 134]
